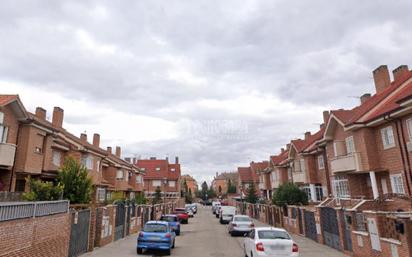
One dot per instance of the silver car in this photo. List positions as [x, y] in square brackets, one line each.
[240, 225]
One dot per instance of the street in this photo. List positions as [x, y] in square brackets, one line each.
[204, 236]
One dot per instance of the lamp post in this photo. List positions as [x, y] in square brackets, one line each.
[164, 194]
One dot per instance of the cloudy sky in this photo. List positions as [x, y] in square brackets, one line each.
[218, 83]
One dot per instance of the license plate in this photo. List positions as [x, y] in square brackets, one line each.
[153, 238]
[277, 247]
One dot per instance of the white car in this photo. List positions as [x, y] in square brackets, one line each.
[270, 242]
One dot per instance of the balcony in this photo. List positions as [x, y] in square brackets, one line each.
[346, 163]
[7, 152]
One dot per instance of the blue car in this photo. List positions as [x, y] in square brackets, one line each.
[173, 221]
[156, 235]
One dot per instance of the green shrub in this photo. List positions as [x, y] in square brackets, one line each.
[43, 191]
[289, 194]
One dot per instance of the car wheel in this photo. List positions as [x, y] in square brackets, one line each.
[168, 251]
[232, 234]
[139, 250]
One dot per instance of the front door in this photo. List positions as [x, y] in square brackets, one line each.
[373, 231]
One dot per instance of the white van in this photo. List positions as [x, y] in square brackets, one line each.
[226, 214]
[215, 205]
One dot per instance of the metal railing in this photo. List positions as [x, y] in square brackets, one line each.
[21, 210]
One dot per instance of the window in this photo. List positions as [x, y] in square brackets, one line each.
[302, 165]
[319, 192]
[397, 184]
[340, 186]
[3, 129]
[119, 174]
[409, 126]
[158, 169]
[143, 169]
[335, 149]
[57, 156]
[98, 168]
[306, 189]
[109, 195]
[87, 161]
[173, 169]
[101, 194]
[321, 162]
[138, 179]
[172, 183]
[350, 146]
[388, 139]
[156, 183]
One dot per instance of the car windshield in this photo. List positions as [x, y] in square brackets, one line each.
[273, 234]
[242, 219]
[169, 218]
[155, 228]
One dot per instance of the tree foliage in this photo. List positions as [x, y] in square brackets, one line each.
[251, 195]
[231, 189]
[42, 191]
[140, 199]
[289, 194]
[77, 184]
[157, 198]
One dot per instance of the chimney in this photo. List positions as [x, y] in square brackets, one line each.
[177, 160]
[83, 137]
[307, 135]
[381, 78]
[96, 139]
[109, 150]
[152, 158]
[217, 174]
[41, 113]
[288, 146]
[57, 119]
[128, 159]
[282, 150]
[326, 115]
[118, 151]
[400, 72]
[322, 125]
[365, 97]
[134, 160]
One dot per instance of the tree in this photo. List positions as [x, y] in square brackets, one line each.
[43, 191]
[289, 194]
[157, 196]
[251, 196]
[231, 189]
[220, 189]
[140, 199]
[204, 194]
[77, 184]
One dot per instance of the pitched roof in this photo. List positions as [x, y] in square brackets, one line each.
[307, 144]
[227, 175]
[245, 174]
[165, 169]
[280, 158]
[6, 99]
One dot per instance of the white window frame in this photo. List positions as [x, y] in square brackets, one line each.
[57, 158]
[321, 162]
[138, 179]
[335, 149]
[388, 138]
[397, 184]
[156, 183]
[350, 145]
[171, 183]
[100, 194]
[173, 169]
[119, 174]
[302, 165]
[409, 126]
[157, 168]
[340, 187]
[87, 161]
[1, 118]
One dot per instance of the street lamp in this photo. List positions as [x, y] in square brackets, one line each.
[164, 194]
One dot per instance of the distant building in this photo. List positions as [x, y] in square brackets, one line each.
[190, 182]
[221, 182]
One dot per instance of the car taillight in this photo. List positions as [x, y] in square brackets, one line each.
[252, 225]
[295, 248]
[259, 247]
[233, 224]
[141, 234]
[168, 235]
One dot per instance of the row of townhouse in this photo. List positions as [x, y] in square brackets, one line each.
[191, 184]
[33, 147]
[362, 153]
[221, 182]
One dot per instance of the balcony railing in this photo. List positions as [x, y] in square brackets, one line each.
[349, 162]
[21, 210]
[7, 152]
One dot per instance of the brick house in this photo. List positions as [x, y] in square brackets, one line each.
[12, 112]
[245, 178]
[308, 167]
[220, 182]
[161, 173]
[368, 147]
[264, 185]
[190, 182]
[279, 169]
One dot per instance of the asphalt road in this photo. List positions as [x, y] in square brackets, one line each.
[205, 237]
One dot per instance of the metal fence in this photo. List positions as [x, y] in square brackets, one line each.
[21, 210]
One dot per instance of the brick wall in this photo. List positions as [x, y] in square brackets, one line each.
[39, 237]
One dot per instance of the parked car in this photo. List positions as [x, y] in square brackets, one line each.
[240, 225]
[193, 206]
[182, 215]
[214, 205]
[226, 214]
[270, 242]
[157, 235]
[217, 211]
[173, 221]
[190, 212]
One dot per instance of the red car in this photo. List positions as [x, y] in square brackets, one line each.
[182, 215]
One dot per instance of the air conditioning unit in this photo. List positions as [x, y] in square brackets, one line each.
[409, 146]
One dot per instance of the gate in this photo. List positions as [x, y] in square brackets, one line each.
[120, 221]
[330, 227]
[79, 236]
[347, 231]
[300, 221]
[310, 225]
